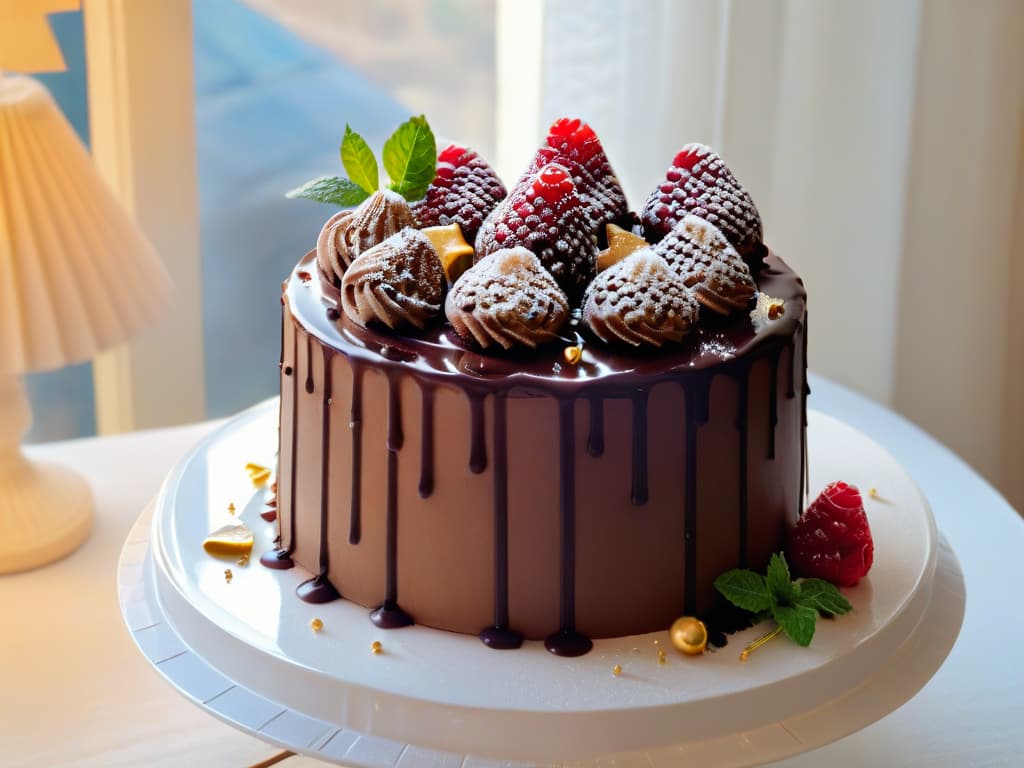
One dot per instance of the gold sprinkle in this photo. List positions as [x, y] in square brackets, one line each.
[376, 647]
[759, 642]
[662, 659]
[874, 494]
[656, 642]
[573, 354]
[617, 670]
[316, 625]
[231, 508]
[243, 560]
[228, 575]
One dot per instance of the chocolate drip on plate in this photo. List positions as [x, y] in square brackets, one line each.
[293, 448]
[567, 641]
[500, 636]
[277, 559]
[389, 615]
[317, 590]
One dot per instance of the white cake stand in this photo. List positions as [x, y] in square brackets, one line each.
[245, 651]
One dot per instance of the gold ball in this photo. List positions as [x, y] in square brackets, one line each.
[689, 635]
[376, 646]
[617, 670]
[316, 625]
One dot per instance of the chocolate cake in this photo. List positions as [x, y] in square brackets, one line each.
[556, 443]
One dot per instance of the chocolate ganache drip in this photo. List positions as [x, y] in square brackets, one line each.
[436, 357]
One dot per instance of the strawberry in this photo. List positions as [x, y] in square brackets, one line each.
[832, 539]
[546, 216]
[573, 144]
[699, 182]
[464, 190]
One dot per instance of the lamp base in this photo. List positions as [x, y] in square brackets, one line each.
[45, 513]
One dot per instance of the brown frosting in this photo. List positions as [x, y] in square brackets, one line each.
[701, 255]
[507, 298]
[639, 300]
[398, 282]
[348, 234]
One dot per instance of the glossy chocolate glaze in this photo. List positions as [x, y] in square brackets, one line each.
[731, 350]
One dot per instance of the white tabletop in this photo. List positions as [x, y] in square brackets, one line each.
[77, 692]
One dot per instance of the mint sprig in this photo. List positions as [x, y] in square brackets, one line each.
[330, 189]
[359, 162]
[794, 605]
[410, 159]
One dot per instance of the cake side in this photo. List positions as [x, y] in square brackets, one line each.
[440, 489]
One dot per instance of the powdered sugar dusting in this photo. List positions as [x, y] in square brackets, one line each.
[699, 253]
[507, 298]
[398, 282]
[639, 300]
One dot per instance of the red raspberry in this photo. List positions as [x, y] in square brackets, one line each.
[832, 540]
[463, 192]
[573, 144]
[546, 216]
[699, 182]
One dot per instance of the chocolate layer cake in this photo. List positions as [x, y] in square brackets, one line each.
[588, 478]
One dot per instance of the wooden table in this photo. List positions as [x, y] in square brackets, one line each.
[76, 691]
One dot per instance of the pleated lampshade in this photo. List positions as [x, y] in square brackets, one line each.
[76, 276]
[76, 273]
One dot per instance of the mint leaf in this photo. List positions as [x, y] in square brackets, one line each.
[331, 189]
[744, 589]
[797, 622]
[359, 162]
[410, 158]
[780, 587]
[823, 597]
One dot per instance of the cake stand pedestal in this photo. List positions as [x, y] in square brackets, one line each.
[244, 650]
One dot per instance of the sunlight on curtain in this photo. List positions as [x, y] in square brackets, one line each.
[883, 143]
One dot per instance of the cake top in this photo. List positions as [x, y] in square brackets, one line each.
[446, 257]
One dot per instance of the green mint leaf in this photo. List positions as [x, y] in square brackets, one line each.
[359, 162]
[410, 158]
[331, 189]
[797, 622]
[744, 589]
[823, 597]
[780, 586]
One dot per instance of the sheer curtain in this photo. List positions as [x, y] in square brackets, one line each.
[884, 143]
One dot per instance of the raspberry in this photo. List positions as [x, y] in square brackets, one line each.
[546, 216]
[573, 144]
[463, 192]
[832, 540]
[699, 182]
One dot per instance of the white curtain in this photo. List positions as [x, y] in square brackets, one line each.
[884, 144]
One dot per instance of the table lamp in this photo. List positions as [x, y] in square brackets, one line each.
[76, 276]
